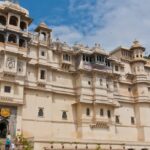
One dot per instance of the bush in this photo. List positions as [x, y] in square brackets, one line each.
[25, 144]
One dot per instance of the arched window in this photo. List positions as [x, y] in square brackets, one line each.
[12, 38]
[22, 43]
[41, 112]
[64, 115]
[23, 26]
[2, 20]
[13, 21]
[66, 57]
[88, 112]
[2, 38]
[43, 36]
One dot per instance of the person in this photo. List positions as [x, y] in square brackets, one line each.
[12, 146]
[9, 135]
[7, 144]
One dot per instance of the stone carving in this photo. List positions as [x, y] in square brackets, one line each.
[10, 63]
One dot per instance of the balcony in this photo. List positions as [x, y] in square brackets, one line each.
[101, 123]
[66, 60]
[13, 28]
[44, 43]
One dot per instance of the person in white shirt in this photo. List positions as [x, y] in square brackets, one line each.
[12, 146]
[9, 136]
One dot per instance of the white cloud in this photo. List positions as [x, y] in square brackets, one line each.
[67, 34]
[122, 22]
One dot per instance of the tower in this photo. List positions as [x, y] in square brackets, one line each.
[138, 61]
[139, 87]
[44, 34]
[14, 22]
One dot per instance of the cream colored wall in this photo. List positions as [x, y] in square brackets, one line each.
[63, 79]
[123, 90]
[52, 121]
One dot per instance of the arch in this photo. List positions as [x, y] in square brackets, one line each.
[22, 43]
[3, 128]
[2, 38]
[23, 25]
[12, 38]
[66, 57]
[43, 36]
[13, 21]
[2, 20]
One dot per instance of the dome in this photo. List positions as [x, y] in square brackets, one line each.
[13, 6]
[136, 44]
[97, 49]
[42, 25]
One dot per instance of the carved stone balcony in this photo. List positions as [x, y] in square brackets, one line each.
[101, 123]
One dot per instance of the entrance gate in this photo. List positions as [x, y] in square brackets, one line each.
[3, 128]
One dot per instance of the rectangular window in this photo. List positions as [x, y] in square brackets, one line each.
[7, 89]
[101, 112]
[109, 113]
[88, 111]
[83, 58]
[117, 119]
[101, 82]
[42, 53]
[42, 74]
[129, 89]
[116, 68]
[132, 120]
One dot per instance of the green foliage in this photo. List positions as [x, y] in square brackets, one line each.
[26, 145]
[98, 147]
[1, 142]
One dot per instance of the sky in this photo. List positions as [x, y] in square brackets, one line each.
[111, 23]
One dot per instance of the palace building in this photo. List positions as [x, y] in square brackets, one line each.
[70, 97]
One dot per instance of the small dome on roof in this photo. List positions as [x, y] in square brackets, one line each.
[97, 48]
[44, 26]
[136, 44]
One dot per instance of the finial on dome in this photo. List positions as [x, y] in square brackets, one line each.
[97, 45]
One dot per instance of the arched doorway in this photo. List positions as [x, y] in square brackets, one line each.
[3, 128]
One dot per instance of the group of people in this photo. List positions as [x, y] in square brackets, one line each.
[9, 145]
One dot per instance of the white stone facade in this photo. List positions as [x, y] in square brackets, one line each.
[71, 97]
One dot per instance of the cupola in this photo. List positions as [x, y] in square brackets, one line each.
[137, 50]
[44, 33]
[136, 45]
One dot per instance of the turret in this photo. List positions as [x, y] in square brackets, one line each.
[13, 20]
[138, 60]
[44, 33]
[137, 50]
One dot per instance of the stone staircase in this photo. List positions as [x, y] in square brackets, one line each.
[2, 146]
